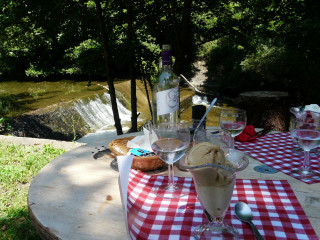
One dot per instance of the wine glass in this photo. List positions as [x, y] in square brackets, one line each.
[300, 112]
[306, 133]
[214, 136]
[170, 142]
[232, 122]
[214, 186]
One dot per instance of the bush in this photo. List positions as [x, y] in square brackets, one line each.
[86, 58]
[224, 67]
[268, 67]
[264, 66]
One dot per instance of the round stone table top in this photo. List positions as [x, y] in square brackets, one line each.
[76, 195]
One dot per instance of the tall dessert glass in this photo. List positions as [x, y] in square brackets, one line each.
[306, 133]
[232, 122]
[214, 186]
[170, 141]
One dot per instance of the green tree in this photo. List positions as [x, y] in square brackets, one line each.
[267, 45]
[252, 44]
[104, 38]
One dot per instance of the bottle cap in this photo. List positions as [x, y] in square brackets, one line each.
[198, 111]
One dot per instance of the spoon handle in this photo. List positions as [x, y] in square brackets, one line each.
[206, 113]
[255, 231]
[208, 216]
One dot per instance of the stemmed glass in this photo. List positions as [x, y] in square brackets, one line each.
[232, 122]
[214, 136]
[170, 142]
[306, 133]
[301, 113]
[214, 186]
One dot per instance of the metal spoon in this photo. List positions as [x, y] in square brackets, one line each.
[208, 215]
[244, 213]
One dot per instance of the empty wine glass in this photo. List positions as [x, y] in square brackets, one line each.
[232, 122]
[170, 142]
[214, 186]
[214, 136]
[306, 133]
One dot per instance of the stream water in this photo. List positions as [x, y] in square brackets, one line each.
[72, 109]
[97, 112]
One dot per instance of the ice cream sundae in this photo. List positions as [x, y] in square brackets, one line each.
[214, 183]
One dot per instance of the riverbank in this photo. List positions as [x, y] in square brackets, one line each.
[77, 118]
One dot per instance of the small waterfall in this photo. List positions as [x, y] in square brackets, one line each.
[198, 100]
[97, 112]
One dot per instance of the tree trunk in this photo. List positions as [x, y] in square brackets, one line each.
[130, 44]
[148, 97]
[146, 80]
[183, 42]
[112, 91]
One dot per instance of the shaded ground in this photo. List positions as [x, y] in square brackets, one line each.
[66, 145]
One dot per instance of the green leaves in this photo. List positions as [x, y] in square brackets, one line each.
[41, 38]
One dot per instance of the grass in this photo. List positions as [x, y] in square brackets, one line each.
[18, 165]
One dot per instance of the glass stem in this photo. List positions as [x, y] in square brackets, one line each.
[306, 161]
[218, 221]
[170, 175]
[232, 143]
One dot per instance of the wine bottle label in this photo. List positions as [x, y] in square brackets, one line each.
[168, 101]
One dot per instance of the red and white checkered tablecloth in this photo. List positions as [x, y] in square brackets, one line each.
[276, 210]
[277, 151]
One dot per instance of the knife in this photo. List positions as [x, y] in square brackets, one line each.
[260, 133]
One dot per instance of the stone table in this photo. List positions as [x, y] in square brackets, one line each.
[76, 196]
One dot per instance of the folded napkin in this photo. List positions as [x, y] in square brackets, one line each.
[313, 111]
[142, 141]
[306, 112]
[248, 131]
[124, 166]
[313, 108]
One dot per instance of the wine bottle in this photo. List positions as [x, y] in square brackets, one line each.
[165, 93]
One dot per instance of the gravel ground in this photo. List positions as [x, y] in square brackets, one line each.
[200, 78]
[40, 142]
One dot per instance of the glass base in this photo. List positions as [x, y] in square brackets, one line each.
[305, 174]
[215, 231]
[170, 191]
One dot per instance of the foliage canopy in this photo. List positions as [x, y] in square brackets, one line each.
[249, 45]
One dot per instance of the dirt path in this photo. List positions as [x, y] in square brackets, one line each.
[201, 75]
[39, 142]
